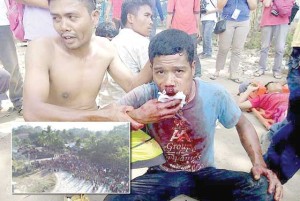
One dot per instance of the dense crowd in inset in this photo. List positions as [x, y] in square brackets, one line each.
[130, 54]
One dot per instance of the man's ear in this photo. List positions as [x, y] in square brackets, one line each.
[130, 18]
[193, 66]
[95, 17]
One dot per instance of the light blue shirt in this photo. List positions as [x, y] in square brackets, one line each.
[188, 139]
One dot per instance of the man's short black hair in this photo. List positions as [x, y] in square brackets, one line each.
[107, 29]
[266, 85]
[171, 42]
[90, 4]
[132, 7]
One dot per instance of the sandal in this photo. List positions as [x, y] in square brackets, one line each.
[214, 76]
[277, 75]
[259, 73]
[236, 80]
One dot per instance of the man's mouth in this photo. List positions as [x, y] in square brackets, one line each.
[68, 38]
[170, 91]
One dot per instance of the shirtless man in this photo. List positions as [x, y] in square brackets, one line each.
[64, 74]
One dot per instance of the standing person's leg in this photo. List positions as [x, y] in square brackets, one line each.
[208, 26]
[4, 85]
[280, 34]
[213, 184]
[266, 39]
[238, 42]
[157, 185]
[196, 58]
[224, 44]
[8, 56]
[203, 24]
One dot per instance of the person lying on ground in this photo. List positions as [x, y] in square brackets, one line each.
[274, 102]
[187, 138]
[283, 154]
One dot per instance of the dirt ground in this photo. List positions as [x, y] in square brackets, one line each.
[229, 153]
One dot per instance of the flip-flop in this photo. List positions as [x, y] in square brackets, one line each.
[236, 80]
[213, 77]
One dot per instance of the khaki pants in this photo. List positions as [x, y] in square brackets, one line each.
[235, 37]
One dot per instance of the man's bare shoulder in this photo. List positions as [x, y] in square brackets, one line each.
[104, 45]
[44, 42]
[42, 46]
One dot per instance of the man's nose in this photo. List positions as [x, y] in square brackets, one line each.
[169, 79]
[64, 25]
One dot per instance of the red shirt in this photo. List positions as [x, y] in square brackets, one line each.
[184, 14]
[116, 9]
[274, 104]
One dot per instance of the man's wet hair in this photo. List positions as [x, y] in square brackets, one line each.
[106, 29]
[171, 42]
[90, 4]
[132, 7]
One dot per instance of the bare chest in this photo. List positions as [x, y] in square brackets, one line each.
[75, 82]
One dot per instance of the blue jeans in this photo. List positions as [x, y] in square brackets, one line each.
[207, 31]
[9, 59]
[208, 183]
[196, 58]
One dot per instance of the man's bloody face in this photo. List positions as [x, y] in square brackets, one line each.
[173, 73]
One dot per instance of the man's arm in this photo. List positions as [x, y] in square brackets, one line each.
[37, 89]
[252, 4]
[221, 4]
[38, 3]
[250, 142]
[244, 103]
[197, 16]
[267, 3]
[170, 13]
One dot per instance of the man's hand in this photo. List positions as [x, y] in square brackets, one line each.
[274, 183]
[154, 111]
[252, 87]
[120, 113]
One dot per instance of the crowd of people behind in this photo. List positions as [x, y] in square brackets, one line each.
[51, 96]
[112, 180]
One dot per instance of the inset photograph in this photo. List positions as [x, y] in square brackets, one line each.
[71, 158]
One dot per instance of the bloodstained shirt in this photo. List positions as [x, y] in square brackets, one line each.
[187, 139]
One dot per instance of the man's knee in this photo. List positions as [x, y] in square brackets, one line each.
[259, 188]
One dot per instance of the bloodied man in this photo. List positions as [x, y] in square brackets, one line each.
[189, 134]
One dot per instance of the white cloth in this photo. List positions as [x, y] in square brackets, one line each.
[132, 49]
[3, 17]
[37, 23]
[163, 97]
[209, 7]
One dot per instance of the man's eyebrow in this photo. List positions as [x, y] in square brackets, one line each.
[157, 67]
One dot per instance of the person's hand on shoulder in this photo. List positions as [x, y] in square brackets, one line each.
[275, 185]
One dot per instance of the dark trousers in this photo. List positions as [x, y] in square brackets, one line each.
[208, 184]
